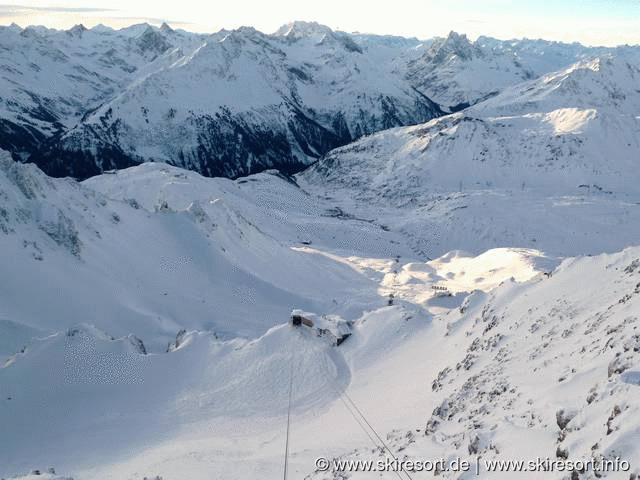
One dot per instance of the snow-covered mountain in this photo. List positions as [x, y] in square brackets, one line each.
[225, 104]
[50, 79]
[144, 333]
[564, 132]
[194, 249]
[456, 72]
[249, 101]
[236, 102]
[561, 151]
[482, 269]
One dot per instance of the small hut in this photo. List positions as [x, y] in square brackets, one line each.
[331, 327]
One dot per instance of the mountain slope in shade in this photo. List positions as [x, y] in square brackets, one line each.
[247, 102]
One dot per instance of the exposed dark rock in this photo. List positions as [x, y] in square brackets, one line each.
[563, 417]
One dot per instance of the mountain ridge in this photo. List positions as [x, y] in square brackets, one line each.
[139, 94]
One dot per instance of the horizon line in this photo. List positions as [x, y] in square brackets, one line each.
[183, 25]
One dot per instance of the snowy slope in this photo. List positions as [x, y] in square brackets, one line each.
[546, 369]
[545, 164]
[454, 382]
[144, 326]
[77, 252]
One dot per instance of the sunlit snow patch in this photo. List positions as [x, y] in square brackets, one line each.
[457, 272]
[569, 120]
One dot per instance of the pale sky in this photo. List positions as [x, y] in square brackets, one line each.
[604, 22]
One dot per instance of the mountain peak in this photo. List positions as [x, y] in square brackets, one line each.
[318, 34]
[101, 28]
[240, 35]
[152, 40]
[77, 30]
[454, 45]
[135, 30]
[165, 28]
[301, 29]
